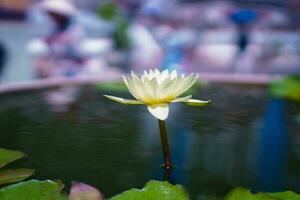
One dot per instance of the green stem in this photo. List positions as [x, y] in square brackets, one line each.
[165, 145]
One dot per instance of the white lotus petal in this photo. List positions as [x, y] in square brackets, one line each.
[151, 72]
[139, 87]
[160, 111]
[163, 76]
[123, 101]
[146, 73]
[130, 86]
[196, 102]
[150, 88]
[159, 87]
[156, 72]
[186, 84]
[182, 99]
[166, 71]
[168, 88]
[173, 74]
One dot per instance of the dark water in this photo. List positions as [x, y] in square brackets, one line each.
[244, 138]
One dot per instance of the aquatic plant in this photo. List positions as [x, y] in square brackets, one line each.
[288, 88]
[33, 190]
[155, 190]
[158, 190]
[245, 194]
[157, 90]
[111, 12]
[12, 175]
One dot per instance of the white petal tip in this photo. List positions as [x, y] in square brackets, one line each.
[160, 111]
[196, 102]
[182, 99]
[122, 100]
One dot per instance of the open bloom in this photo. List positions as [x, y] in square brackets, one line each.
[157, 90]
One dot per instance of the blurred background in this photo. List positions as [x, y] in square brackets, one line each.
[43, 39]
[248, 136]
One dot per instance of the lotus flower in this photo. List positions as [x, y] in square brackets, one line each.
[81, 191]
[157, 90]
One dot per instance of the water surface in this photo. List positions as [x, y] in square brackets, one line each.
[244, 138]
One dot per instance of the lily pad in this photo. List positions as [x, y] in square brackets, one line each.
[14, 175]
[8, 156]
[245, 194]
[287, 195]
[154, 190]
[32, 190]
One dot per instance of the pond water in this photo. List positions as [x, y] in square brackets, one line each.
[243, 138]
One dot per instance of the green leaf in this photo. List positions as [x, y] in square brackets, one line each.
[288, 88]
[239, 194]
[14, 175]
[8, 156]
[244, 194]
[154, 190]
[108, 11]
[288, 195]
[120, 36]
[32, 190]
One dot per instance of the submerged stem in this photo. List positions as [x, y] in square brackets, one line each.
[165, 145]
